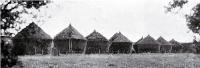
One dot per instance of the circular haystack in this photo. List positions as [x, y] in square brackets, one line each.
[135, 45]
[120, 44]
[148, 44]
[96, 43]
[69, 33]
[31, 40]
[165, 46]
[70, 41]
[113, 37]
[189, 48]
[176, 46]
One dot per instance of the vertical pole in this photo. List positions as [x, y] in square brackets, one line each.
[42, 51]
[35, 50]
[85, 47]
[69, 46]
[131, 48]
[99, 51]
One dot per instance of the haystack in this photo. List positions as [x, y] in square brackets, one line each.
[197, 44]
[31, 40]
[135, 45]
[176, 46]
[189, 48]
[148, 44]
[165, 46]
[120, 44]
[96, 43]
[70, 41]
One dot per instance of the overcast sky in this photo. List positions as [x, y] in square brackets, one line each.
[133, 18]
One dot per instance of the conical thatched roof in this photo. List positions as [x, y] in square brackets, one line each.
[162, 41]
[121, 38]
[174, 42]
[32, 31]
[139, 40]
[69, 32]
[148, 40]
[113, 37]
[96, 36]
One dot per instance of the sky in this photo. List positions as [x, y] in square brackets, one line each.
[133, 18]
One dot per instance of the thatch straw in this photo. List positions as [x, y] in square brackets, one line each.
[174, 42]
[96, 36]
[139, 40]
[32, 31]
[121, 38]
[69, 33]
[113, 37]
[162, 41]
[148, 40]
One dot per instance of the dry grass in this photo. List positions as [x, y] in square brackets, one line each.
[113, 61]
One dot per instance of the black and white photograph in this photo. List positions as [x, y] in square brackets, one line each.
[100, 33]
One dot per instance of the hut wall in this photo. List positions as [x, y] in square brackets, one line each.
[144, 48]
[198, 49]
[190, 48]
[30, 46]
[135, 46]
[78, 46]
[177, 48]
[97, 47]
[165, 48]
[63, 45]
[121, 47]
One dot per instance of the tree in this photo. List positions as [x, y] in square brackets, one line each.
[192, 19]
[10, 16]
[10, 19]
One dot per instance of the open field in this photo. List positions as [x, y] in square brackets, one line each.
[169, 60]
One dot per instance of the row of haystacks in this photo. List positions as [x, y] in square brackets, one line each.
[150, 45]
[33, 40]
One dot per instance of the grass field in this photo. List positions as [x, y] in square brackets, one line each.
[169, 60]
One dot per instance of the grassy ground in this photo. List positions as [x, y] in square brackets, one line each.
[113, 61]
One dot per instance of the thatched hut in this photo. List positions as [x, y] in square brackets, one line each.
[197, 44]
[148, 44]
[165, 46]
[189, 48]
[120, 44]
[70, 41]
[96, 43]
[31, 40]
[114, 37]
[176, 46]
[135, 45]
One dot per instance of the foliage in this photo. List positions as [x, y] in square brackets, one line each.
[192, 19]
[10, 15]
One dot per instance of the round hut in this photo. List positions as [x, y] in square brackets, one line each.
[197, 44]
[120, 44]
[176, 46]
[189, 48]
[31, 40]
[113, 37]
[135, 45]
[165, 46]
[96, 43]
[70, 41]
[148, 44]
